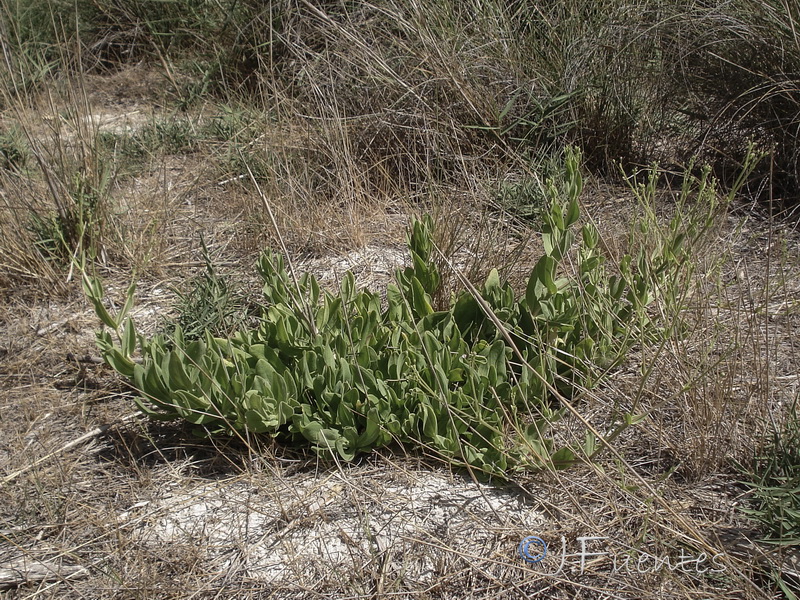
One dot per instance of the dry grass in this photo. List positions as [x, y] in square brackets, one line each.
[150, 512]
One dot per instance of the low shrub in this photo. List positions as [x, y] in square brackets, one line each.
[479, 383]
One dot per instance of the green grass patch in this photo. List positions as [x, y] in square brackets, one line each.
[773, 477]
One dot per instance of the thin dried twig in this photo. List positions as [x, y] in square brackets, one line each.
[96, 432]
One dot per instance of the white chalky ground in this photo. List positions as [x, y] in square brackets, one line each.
[296, 530]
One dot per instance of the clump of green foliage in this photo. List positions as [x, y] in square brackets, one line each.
[774, 478]
[230, 131]
[776, 485]
[162, 137]
[14, 154]
[77, 223]
[524, 200]
[479, 383]
[210, 303]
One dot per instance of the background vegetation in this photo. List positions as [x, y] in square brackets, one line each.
[421, 83]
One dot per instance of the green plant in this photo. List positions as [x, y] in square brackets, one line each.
[34, 35]
[237, 129]
[524, 200]
[478, 383]
[774, 478]
[165, 136]
[117, 354]
[75, 226]
[776, 485]
[234, 122]
[211, 304]
[528, 121]
[13, 151]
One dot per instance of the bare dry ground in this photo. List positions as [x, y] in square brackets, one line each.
[136, 509]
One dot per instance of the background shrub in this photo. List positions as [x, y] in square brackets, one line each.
[423, 85]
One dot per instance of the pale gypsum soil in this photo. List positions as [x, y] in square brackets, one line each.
[304, 527]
